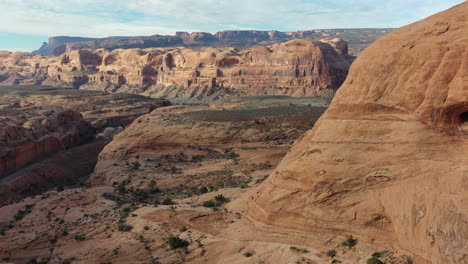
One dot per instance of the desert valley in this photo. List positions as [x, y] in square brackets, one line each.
[244, 146]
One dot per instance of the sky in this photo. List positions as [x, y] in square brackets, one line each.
[26, 24]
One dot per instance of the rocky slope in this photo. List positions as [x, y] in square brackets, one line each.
[160, 177]
[30, 134]
[42, 130]
[388, 160]
[358, 39]
[297, 68]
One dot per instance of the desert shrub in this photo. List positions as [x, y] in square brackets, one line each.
[203, 189]
[125, 228]
[407, 259]
[183, 229]
[198, 158]
[134, 165]
[140, 195]
[79, 237]
[249, 254]
[177, 242]
[232, 155]
[374, 260]
[209, 203]
[221, 199]
[300, 250]
[349, 242]
[22, 213]
[110, 132]
[331, 253]
[218, 201]
[167, 201]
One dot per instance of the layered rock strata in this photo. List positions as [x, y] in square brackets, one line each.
[388, 161]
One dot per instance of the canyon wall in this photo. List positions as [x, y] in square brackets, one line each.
[301, 67]
[30, 134]
[388, 161]
[297, 68]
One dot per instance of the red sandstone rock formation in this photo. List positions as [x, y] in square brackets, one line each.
[37, 132]
[388, 160]
[65, 168]
[297, 68]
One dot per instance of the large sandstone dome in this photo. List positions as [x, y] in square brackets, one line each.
[388, 161]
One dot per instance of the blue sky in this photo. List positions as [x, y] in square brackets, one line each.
[25, 24]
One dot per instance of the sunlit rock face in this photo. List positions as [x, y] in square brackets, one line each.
[388, 161]
[297, 68]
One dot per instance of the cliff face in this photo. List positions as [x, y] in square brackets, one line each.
[54, 42]
[22, 68]
[297, 68]
[388, 161]
[358, 39]
[29, 134]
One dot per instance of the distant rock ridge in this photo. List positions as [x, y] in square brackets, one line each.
[358, 39]
[301, 67]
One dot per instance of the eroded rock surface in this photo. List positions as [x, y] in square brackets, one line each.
[388, 160]
[30, 134]
[296, 68]
[153, 181]
[48, 135]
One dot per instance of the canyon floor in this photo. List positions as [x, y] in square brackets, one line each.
[181, 171]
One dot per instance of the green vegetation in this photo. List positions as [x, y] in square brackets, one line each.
[218, 201]
[168, 201]
[177, 242]
[125, 228]
[249, 254]
[135, 165]
[407, 259]
[22, 213]
[374, 260]
[300, 250]
[350, 242]
[331, 253]
[79, 237]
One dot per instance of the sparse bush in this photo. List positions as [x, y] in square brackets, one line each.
[110, 132]
[134, 165]
[299, 249]
[177, 242]
[374, 260]
[249, 254]
[183, 229]
[408, 259]
[198, 158]
[221, 199]
[22, 213]
[209, 203]
[203, 190]
[168, 201]
[349, 242]
[218, 201]
[331, 253]
[125, 228]
[79, 237]
[140, 195]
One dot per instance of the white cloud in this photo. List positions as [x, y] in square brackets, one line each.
[98, 18]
